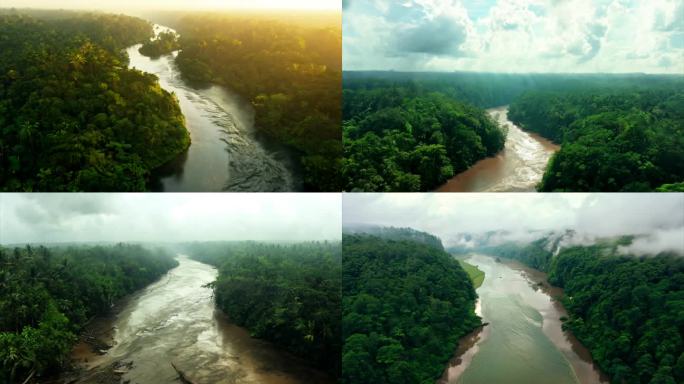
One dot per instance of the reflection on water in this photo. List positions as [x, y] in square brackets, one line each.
[524, 342]
[173, 320]
[225, 154]
[518, 168]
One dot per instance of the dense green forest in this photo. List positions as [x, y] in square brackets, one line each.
[48, 294]
[164, 43]
[397, 139]
[405, 306]
[611, 140]
[290, 71]
[627, 310]
[73, 117]
[617, 132]
[394, 233]
[287, 294]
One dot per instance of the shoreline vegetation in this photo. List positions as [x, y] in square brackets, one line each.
[286, 294]
[476, 275]
[616, 132]
[73, 116]
[50, 294]
[289, 69]
[624, 309]
[406, 305]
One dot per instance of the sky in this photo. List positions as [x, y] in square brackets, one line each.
[79, 217]
[659, 216]
[121, 5]
[517, 36]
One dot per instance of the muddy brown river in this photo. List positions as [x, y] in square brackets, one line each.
[524, 342]
[174, 320]
[518, 168]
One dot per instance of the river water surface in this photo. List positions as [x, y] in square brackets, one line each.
[174, 320]
[524, 342]
[518, 168]
[225, 154]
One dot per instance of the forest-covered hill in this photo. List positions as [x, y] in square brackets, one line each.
[405, 306]
[73, 117]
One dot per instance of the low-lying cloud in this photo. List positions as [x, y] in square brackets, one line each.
[657, 220]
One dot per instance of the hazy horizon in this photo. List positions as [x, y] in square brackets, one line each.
[592, 215]
[168, 5]
[154, 218]
[515, 36]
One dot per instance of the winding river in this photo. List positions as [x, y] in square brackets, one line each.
[518, 168]
[226, 153]
[174, 321]
[524, 342]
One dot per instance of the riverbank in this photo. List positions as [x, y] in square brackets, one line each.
[519, 167]
[174, 321]
[525, 336]
[587, 371]
[226, 152]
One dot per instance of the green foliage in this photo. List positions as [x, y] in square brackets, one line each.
[48, 294]
[398, 140]
[474, 273]
[535, 254]
[629, 311]
[405, 306]
[398, 234]
[166, 42]
[287, 294]
[72, 116]
[291, 72]
[625, 139]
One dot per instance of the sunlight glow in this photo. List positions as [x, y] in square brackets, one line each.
[329, 5]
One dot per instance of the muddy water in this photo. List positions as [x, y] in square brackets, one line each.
[524, 342]
[518, 168]
[225, 154]
[174, 320]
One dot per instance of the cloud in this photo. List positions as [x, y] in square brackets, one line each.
[168, 217]
[402, 34]
[441, 35]
[515, 35]
[579, 218]
[668, 240]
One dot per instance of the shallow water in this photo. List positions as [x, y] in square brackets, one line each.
[524, 342]
[174, 320]
[225, 154]
[518, 168]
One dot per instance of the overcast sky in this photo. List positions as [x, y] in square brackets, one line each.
[515, 35]
[36, 217]
[122, 5]
[600, 215]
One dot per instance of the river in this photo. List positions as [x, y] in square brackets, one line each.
[225, 154]
[524, 342]
[518, 168]
[174, 320]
